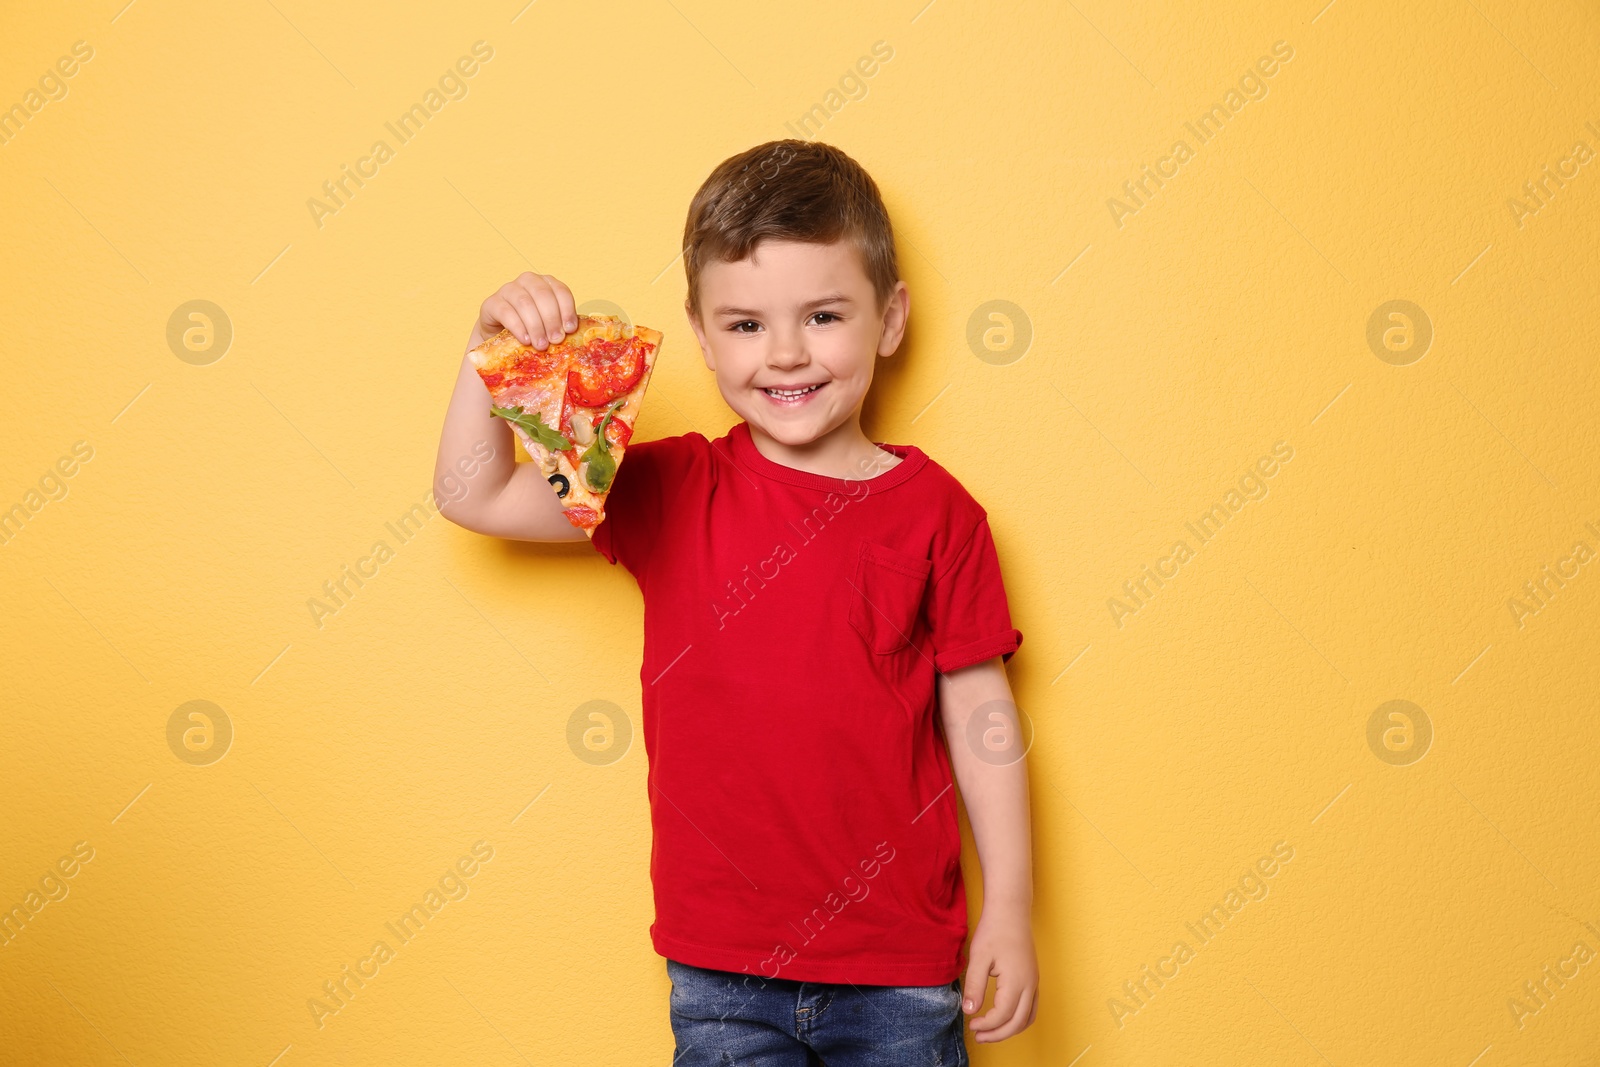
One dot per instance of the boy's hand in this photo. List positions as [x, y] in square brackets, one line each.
[1002, 946]
[537, 308]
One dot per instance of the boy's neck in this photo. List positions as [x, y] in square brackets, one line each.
[843, 452]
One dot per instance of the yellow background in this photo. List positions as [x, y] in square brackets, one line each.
[1228, 714]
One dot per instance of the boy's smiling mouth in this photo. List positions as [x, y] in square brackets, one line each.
[792, 395]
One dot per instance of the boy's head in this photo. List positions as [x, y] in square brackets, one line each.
[793, 284]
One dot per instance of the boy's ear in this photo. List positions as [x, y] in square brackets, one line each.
[896, 313]
[699, 333]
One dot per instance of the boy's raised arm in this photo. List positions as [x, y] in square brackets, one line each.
[477, 480]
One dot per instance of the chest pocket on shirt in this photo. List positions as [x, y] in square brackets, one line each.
[887, 595]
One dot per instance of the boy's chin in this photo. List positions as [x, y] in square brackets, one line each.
[795, 433]
[791, 431]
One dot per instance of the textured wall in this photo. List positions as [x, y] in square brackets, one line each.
[1104, 364]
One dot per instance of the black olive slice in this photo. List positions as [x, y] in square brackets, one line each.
[561, 484]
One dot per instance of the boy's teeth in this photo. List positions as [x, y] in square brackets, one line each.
[793, 392]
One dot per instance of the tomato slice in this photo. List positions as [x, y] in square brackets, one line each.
[605, 371]
[582, 516]
[618, 432]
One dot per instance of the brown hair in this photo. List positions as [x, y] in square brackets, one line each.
[788, 190]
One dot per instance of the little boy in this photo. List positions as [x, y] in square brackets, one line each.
[824, 636]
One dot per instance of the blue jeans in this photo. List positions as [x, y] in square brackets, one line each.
[722, 1019]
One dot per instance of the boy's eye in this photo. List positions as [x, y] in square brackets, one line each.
[739, 327]
[826, 315]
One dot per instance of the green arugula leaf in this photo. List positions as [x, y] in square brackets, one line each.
[535, 427]
[601, 465]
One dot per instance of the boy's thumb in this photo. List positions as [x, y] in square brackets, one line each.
[975, 984]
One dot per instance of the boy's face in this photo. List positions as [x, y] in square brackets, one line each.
[793, 333]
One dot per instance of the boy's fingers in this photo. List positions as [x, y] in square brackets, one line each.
[564, 300]
[533, 322]
[1004, 1007]
[1019, 1020]
[498, 311]
[537, 286]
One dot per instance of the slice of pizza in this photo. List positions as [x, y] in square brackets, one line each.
[574, 404]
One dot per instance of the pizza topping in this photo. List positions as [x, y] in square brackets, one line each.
[599, 467]
[599, 464]
[608, 370]
[534, 426]
[618, 432]
[566, 415]
[582, 428]
[530, 364]
[562, 486]
[582, 516]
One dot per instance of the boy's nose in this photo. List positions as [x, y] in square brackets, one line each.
[787, 351]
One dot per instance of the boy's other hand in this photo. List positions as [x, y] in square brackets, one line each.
[537, 308]
[1002, 946]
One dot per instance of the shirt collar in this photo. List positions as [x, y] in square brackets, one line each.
[748, 456]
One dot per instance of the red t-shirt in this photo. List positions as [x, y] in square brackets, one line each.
[794, 624]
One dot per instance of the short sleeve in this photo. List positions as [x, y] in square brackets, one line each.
[652, 474]
[968, 617]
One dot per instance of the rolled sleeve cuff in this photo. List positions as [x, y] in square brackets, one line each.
[1002, 645]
